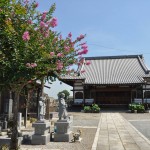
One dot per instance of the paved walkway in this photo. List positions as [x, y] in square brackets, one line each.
[116, 133]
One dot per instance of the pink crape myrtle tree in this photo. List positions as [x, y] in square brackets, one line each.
[31, 49]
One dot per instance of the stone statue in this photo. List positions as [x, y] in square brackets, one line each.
[62, 107]
[42, 108]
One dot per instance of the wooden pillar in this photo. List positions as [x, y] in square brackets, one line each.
[131, 96]
[142, 96]
[83, 96]
[95, 98]
[37, 102]
[73, 93]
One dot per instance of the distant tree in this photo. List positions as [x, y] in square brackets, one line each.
[66, 94]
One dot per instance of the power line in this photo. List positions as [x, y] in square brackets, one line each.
[116, 48]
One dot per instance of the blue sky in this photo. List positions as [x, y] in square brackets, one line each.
[113, 27]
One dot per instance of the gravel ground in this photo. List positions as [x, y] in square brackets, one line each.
[88, 135]
[86, 122]
[85, 119]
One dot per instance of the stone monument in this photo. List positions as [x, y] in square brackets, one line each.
[19, 120]
[10, 105]
[41, 109]
[64, 124]
[42, 128]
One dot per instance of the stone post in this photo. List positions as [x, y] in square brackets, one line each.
[19, 120]
[47, 108]
[10, 104]
[5, 124]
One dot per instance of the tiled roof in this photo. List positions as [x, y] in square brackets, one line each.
[114, 70]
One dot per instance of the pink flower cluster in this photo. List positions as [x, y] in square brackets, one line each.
[44, 29]
[70, 35]
[36, 4]
[43, 16]
[84, 50]
[44, 26]
[59, 65]
[88, 62]
[30, 21]
[53, 22]
[84, 46]
[80, 37]
[26, 36]
[52, 54]
[60, 55]
[67, 48]
[31, 65]
[82, 71]
[79, 63]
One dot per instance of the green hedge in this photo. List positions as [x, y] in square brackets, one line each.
[138, 107]
[94, 108]
[87, 109]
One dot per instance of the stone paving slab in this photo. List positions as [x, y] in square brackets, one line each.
[116, 133]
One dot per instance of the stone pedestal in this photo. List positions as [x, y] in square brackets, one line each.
[63, 130]
[41, 135]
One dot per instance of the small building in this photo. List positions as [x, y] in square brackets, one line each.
[110, 80]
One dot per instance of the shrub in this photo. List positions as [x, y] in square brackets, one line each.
[87, 109]
[140, 108]
[132, 107]
[95, 108]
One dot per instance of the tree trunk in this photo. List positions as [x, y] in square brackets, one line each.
[37, 101]
[25, 116]
[26, 108]
[14, 136]
[42, 87]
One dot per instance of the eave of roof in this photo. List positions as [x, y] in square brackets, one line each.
[113, 57]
